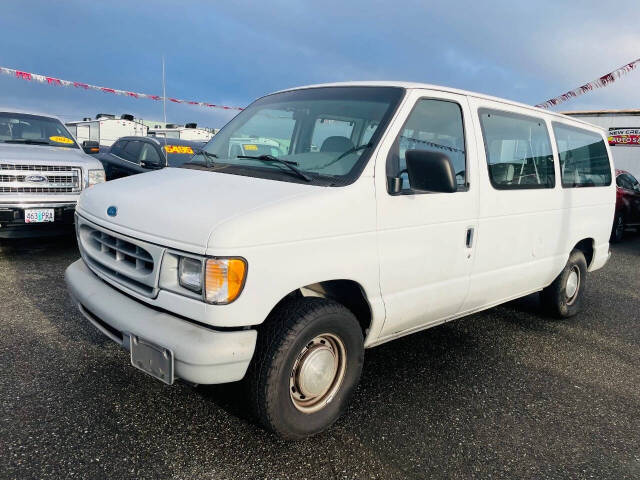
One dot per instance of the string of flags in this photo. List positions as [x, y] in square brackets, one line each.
[601, 82]
[34, 77]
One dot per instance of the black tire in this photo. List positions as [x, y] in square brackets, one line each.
[556, 299]
[617, 232]
[286, 334]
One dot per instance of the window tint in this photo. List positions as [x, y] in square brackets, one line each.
[518, 150]
[117, 147]
[583, 157]
[131, 151]
[634, 182]
[433, 125]
[149, 154]
[327, 127]
[627, 181]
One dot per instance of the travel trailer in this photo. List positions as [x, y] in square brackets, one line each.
[189, 132]
[106, 128]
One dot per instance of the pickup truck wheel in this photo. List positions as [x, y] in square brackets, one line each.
[306, 365]
[563, 298]
[617, 233]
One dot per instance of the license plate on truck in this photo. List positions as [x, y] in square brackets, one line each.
[38, 215]
[152, 359]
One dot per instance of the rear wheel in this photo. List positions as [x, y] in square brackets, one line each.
[617, 233]
[307, 364]
[563, 298]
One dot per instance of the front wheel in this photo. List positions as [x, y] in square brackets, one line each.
[563, 298]
[307, 364]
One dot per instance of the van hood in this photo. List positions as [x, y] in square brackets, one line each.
[10, 152]
[179, 207]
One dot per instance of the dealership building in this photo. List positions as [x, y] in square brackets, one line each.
[622, 128]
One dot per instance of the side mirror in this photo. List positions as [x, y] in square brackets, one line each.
[430, 171]
[90, 147]
[151, 165]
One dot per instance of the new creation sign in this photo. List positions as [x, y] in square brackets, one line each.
[624, 137]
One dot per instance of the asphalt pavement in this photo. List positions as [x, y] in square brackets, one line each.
[506, 393]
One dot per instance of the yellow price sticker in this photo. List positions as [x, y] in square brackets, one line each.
[250, 147]
[183, 149]
[61, 140]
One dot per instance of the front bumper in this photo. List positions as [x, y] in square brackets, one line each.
[12, 219]
[201, 355]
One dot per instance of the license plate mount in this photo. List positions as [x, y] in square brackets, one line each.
[152, 359]
[39, 215]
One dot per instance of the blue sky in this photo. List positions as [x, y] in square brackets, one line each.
[230, 52]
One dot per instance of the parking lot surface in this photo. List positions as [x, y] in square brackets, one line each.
[507, 393]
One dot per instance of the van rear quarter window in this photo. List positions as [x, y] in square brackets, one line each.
[518, 150]
[584, 161]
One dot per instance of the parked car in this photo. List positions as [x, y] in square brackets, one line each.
[627, 204]
[431, 204]
[42, 172]
[131, 155]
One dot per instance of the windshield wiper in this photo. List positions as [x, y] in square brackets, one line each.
[291, 165]
[344, 154]
[28, 141]
[353, 150]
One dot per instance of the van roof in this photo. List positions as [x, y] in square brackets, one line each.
[440, 88]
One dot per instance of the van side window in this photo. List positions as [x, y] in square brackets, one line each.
[433, 125]
[584, 161]
[518, 150]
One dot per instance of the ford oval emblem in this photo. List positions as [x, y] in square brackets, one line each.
[112, 211]
[35, 179]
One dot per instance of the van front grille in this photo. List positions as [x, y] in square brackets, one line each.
[128, 262]
[122, 251]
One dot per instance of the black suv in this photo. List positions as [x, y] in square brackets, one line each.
[131, 155]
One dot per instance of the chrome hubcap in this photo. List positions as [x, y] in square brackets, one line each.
[573, 284]
[317, 373]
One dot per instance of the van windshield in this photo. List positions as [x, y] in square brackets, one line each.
[328, 133]
[34, 130]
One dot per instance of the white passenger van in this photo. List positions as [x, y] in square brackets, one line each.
[430, 204]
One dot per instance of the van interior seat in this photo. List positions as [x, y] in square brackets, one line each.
[502, 172]
[336, 144]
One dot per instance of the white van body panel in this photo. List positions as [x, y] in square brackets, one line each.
[409, 254]
[424, 261]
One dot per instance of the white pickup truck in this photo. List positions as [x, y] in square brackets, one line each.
[42, 173]
[394, 208]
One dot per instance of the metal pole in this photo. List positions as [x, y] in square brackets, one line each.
[164, 95]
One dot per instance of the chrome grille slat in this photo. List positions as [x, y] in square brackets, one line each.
[14, 178]
[126, 261]
[36, 168]
[36, 190]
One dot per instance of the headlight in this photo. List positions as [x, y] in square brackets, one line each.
[95, 177]
[190, 274]
[214, 280]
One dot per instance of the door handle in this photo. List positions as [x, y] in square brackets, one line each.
[469, 237]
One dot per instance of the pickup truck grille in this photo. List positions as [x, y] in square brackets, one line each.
[17, 178]
[128, 262]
